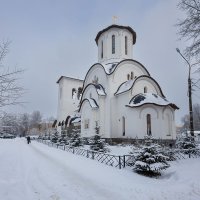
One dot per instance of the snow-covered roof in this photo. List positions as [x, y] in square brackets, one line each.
[76, 120]
[125, 87]
[100, 90]
[110, 65]
[91, 101]
[149, 98]
[116, 26]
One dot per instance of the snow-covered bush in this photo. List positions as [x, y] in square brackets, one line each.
[150, 161]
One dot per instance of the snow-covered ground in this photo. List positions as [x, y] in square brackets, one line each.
[39, 172]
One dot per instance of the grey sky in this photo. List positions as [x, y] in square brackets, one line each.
[51, 38]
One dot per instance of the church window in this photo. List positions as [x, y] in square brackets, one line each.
[126, 47]
[79, 92]
[145, 89]
[73, 93]
[102, 49]
[86, 125]
[123, 126]
[128, 76]
[132, 75]
[148, 124]
[113, 44]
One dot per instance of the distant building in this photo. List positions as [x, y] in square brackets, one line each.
[118, 96]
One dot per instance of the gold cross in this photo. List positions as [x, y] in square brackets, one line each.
[114, 19]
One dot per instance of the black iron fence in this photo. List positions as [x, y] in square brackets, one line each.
[117, 161]
[108, 159]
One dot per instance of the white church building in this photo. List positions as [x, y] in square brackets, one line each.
[119, 98]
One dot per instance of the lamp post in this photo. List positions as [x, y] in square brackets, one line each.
[189, 94]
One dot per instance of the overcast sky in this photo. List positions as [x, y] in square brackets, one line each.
[51, 38]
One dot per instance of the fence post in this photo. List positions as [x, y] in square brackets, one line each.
[87, 154]
[57, 146]
[64, 147]
[124, 161]
[93, 155]
[119, 162]
[73, 150]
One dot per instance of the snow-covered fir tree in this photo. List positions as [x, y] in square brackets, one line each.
[55, 137]
[63, 138]
[150, 161]
[186, 143]
[97, 144]
[75, 140]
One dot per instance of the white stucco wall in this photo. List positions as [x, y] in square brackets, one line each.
[112, 108]
[162, 127]
[66, 104]
[97, 71]
[92, 116]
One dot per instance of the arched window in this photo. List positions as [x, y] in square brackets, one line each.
[126, 47]
[113, 44]
[145, 89]
[80, 89]
[128, 76]
[73, 93]
[101, 49]
[86, 124]
[148, 124]
[123, 126]
[132, 75]
[90, 95]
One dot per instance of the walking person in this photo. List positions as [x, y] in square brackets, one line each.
[28, 139]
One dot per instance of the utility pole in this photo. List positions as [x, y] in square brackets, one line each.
[189, 94]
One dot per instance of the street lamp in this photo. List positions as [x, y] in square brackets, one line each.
[189, 94]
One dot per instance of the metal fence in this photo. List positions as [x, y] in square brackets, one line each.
[108, 159]
[117, 161]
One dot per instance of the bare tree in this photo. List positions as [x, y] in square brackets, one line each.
[24, 121]
[36, 119]
[189, 28]
[196, 117]
[196, 113]
[10, 91]
[10, 123]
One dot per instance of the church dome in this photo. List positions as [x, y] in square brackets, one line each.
[115, 42]
[116, 26]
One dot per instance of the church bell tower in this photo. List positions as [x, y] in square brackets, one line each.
[115, 42]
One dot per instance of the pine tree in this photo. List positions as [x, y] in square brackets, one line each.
[186, 143]
[63, 138]
[97, 144]
[55, 136]
[150, 161]
[75, 140]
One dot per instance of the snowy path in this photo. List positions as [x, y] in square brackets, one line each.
[38, 172]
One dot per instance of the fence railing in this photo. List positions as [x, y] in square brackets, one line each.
[108, 159]
[113, 160]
